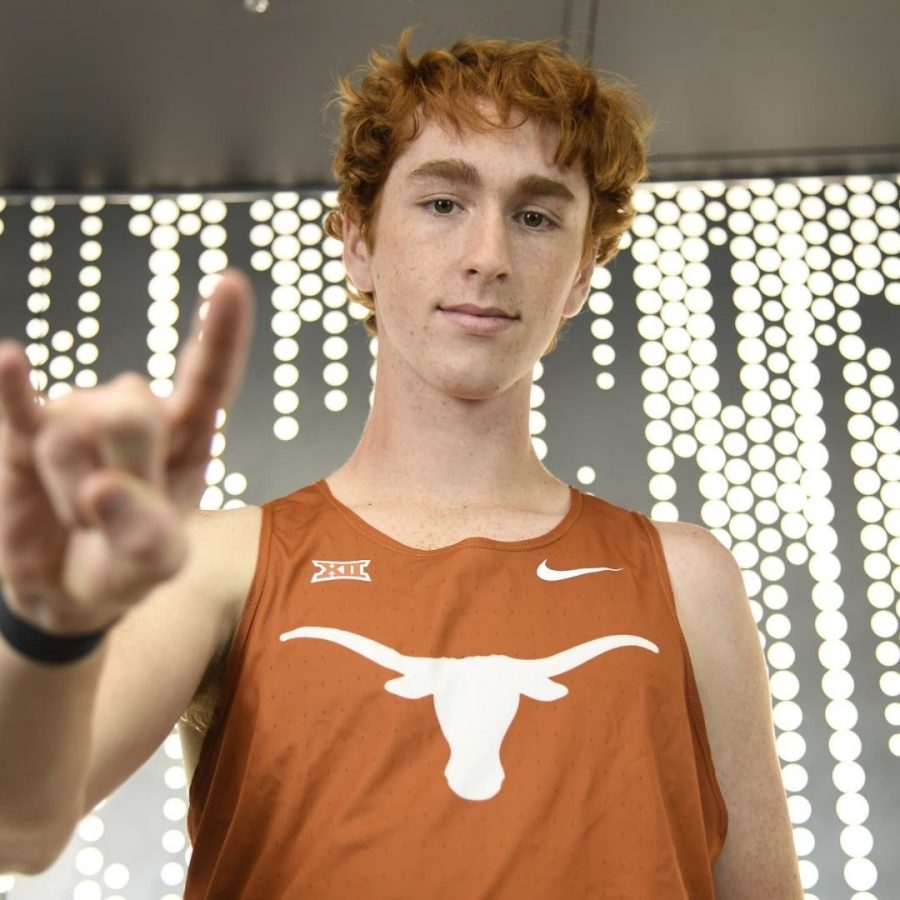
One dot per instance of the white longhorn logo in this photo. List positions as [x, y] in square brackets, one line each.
[476, 697]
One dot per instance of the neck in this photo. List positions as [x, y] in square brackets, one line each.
[424, 445]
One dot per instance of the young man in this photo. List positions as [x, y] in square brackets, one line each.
[439, 671]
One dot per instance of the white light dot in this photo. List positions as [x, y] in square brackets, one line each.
[335, 297]
[586, 475]
[845, 746]
[172, 873]
[809, 875]
[785, 685]
[787, 715]
[310, 208]
[849, 777]
[189, 202]
[190, 224]
[663, 487]
[888, 654]
[310, 309]
[890, 684]
[172, 746]
[604, 355]
[335, 374]
[286, 375]
[89, 861]
[87, 890]
[791, 746]
[116, 876]
[261, 210]
[663, 511]
[235, 484]
[212, 261]
[286, 402]
[856, 840]
[285, 221]
[174, 809]
[800, 809]
[794, 777]
[837, 684]
[90, 828]
[213, 236]
[286, 428]
[175, 778]
[860, 874]
[213, 211]
[804, 842]
[285, 272]
[539, 445]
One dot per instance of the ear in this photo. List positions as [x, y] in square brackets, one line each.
[357, 256]
[579, 291]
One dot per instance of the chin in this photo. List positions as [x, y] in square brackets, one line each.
[466, 387]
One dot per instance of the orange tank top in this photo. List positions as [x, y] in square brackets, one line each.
[493, 720]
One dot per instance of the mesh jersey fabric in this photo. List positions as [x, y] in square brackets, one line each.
[457, 723]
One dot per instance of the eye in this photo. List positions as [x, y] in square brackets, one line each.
[535, 220]
[442, 205]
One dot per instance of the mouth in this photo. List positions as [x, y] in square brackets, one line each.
[480, 322]
[491, 312]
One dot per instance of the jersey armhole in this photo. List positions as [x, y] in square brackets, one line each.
[692, 693]
[209, 753]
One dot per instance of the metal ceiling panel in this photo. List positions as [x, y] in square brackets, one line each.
[203, 94]
[768, 87]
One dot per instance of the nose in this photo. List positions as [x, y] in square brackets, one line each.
[487, 250]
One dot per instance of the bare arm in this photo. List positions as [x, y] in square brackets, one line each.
[72, 561]
[758, 858]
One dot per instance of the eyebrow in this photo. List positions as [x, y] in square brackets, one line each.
[462, 172]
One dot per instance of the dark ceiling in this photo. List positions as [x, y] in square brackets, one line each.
[109, 95]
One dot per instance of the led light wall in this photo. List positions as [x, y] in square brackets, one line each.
[735, 367]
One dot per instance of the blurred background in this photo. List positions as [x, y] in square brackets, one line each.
[736, 364]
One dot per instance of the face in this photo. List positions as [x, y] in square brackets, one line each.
[484, 220]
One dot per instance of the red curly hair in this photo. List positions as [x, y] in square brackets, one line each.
[602, 127]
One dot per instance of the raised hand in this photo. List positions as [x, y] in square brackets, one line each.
[95, 485]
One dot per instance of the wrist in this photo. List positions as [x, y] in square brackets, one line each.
[44, 646]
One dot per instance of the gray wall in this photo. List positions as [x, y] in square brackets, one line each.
[736, 367]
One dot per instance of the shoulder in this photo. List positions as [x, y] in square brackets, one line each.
[712, 605]
[223, 546]
[705, 577]
[209, 525]
[695, 557]
[213, 532]
[714, 614]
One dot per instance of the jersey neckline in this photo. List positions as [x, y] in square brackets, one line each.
[362, 526]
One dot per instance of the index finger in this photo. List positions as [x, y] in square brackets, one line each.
[212, 362]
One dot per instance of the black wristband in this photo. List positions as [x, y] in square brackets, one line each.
[41, 646]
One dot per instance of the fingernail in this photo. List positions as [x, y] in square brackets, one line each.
[113, 506]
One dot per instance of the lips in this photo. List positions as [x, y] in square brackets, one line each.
[473, 310]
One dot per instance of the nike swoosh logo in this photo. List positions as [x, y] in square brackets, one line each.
[544, 571]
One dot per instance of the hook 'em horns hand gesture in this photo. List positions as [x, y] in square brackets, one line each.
[95, 485]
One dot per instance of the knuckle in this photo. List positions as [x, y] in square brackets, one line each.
[127, 424]
[131, 382]
[131, 419]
